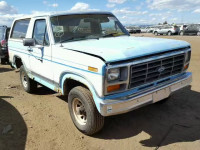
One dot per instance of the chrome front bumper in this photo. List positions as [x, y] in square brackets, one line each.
[128, 103]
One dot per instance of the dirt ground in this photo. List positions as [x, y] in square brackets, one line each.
[42, 122]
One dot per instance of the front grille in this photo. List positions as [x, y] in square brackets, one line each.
[154, 70]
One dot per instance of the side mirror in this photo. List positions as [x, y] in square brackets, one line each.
[29, 42]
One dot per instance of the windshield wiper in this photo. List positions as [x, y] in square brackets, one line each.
[74, 39]
[113, 34]
[78, 38]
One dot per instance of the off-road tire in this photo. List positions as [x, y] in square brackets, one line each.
[95, 121]
[31, 85]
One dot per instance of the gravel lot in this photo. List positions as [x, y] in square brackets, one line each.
[42, 122]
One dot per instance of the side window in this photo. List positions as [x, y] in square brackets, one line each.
[190, 27]
[40, 34]
[20, 29]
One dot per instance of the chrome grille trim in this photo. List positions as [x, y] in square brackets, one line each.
[147, 72]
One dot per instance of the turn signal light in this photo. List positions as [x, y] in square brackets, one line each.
[186, 67]
[113, 88]
[92, 69]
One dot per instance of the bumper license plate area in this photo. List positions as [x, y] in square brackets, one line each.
[161, 94]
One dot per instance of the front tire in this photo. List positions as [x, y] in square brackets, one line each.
[28, 84]
[83, 111]
[198, 33]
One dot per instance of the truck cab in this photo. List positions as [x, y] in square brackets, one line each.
[92, 60]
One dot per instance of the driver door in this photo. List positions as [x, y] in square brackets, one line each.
[40, 54]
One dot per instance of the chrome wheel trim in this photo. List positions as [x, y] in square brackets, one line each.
[79, 111]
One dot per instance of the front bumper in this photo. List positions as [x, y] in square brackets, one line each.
[131, 102]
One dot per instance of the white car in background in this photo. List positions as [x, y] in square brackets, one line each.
[168, 30]
[144, 29]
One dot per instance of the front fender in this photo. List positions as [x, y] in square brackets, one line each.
[84, 81]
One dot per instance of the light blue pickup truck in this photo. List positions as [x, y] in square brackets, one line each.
[92, 60]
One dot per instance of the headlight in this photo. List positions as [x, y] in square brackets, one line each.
[187, 57]
[113, 74]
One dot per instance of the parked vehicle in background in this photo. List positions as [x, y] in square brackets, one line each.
[133, 29]
[4, 32]
[129, 29]
[151, 29]
[168, 30]
[193, 29]
[91, 59]
[182, 27]
[144, 29]
[136, 30]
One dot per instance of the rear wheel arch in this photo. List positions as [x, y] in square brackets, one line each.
[169, 33]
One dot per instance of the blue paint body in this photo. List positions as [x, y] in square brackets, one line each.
[125, 47]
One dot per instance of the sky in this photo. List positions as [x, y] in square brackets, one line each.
[138, 12]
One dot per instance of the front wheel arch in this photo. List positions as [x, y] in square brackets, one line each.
[79, 80]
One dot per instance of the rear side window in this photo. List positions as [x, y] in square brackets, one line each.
[20, 29]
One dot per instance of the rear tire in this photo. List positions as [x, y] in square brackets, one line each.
[28, 84]
[83, 111]
[156, 33]
[169, 33]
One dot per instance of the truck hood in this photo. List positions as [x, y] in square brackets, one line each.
[124, 47]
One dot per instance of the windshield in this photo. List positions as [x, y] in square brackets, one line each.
[80, 27]
[2, 33]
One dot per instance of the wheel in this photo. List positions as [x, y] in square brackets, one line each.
[169, 33]
[28, 84]
[198, 33]
[2, 61]
[83, 111]
[156, 33]
[181, 33]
